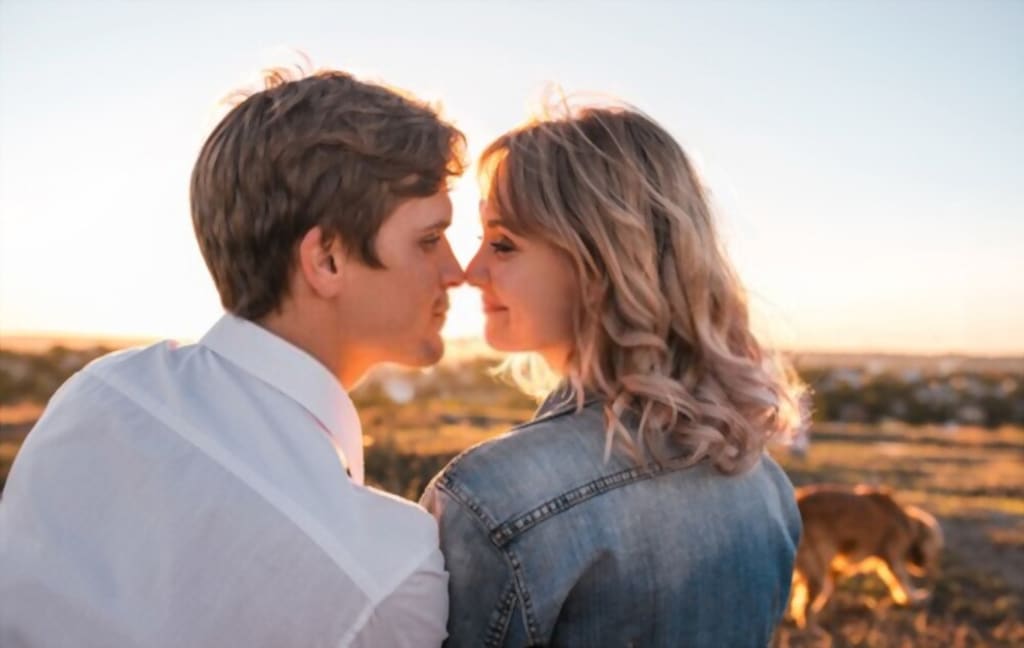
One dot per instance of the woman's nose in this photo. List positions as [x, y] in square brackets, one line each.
[476, 271]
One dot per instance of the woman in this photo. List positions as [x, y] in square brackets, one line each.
[638, 507]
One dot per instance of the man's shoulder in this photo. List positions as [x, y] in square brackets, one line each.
[405, 523]
[128, 364]
[399, 553]
[86, 395]
[389, 537]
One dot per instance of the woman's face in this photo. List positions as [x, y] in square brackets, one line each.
[528, 289]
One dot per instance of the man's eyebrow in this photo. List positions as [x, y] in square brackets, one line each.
[441, 224]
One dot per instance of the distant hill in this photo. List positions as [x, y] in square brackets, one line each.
[456, 350]
[26, 343]
[460, 349]
[878, 362]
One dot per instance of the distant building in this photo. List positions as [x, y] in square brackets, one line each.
[971, 415]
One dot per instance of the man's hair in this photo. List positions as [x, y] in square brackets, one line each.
[325, 150]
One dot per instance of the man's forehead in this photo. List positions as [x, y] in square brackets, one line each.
[431, 212]
[440, 212]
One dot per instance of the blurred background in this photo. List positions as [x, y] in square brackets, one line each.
[866, 163]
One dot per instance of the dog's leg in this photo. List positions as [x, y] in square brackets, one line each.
[814, 586]
[914, 594]
[798, 600]
[898, 582]
[823, 591]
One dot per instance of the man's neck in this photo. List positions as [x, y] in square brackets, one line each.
[319, 341]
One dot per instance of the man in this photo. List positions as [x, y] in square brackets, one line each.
[212, 494]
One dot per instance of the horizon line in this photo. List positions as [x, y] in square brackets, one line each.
[43, 340]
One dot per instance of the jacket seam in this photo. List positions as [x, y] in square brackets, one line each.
[453, 465]
[448, 485]
[516, 590]
[501, 535]
[505, 533]
[529, 620]
[498, 627]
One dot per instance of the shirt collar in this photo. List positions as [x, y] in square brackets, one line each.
[296, 374]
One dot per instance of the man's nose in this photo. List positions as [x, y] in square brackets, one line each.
[451, 272]
[476, 273]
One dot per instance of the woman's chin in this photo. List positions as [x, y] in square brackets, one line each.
[498, 339]
[496, 342]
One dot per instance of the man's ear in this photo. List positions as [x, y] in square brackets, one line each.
[321, 263]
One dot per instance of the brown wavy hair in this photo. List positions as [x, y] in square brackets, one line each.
[322, 149]
[662, 331]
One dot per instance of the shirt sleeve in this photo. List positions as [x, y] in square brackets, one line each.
[415, 614]
[481, 587]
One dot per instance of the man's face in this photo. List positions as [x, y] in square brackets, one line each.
[395, 313]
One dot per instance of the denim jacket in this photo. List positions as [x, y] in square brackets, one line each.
[547, 544]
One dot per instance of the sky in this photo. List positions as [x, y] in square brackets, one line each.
[866, 159]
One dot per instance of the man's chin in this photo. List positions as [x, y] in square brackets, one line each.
[424, 354]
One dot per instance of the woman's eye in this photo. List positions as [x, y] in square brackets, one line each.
[430, 242]
[502, 246]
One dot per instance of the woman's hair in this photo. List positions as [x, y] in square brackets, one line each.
[661, 327]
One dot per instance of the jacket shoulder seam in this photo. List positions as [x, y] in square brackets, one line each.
[516, 592]
[509, 530]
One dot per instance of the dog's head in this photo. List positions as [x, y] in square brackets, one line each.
[926, 543]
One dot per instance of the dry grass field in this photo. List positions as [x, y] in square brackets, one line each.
[971, 478]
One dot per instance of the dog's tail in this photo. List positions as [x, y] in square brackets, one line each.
[926, 519]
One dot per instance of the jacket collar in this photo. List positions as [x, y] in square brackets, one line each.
[564, 400]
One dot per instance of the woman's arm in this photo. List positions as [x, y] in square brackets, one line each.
[484, 600]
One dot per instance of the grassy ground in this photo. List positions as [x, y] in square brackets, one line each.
[972, 479]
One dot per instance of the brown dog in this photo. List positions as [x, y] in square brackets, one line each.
[850, 530]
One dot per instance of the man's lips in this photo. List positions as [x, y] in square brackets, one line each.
[441, 310]
[493, 307]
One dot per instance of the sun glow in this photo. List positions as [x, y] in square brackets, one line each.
[861, 216]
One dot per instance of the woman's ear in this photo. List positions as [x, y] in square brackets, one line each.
[321, 261]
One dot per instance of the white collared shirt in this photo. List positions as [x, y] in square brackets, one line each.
[197, 496]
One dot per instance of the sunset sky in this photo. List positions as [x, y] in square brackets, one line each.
[866, 159]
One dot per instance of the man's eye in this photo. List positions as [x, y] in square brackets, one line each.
[430, 242]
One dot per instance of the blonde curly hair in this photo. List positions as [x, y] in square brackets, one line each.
[662, 331]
